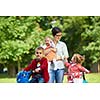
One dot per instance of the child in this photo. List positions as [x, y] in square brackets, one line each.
[39, 66]
[50, 51]
[75, 69]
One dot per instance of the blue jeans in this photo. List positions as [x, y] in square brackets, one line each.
[56, 76]
[37, 79]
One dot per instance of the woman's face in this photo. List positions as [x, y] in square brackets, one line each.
[58, 36]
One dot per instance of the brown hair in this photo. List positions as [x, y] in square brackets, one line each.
[39, 48]
[78, 58]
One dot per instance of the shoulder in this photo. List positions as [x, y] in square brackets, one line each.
[44, 59]
[61, 43]
[33, 61]
[73, 65]
[79, 65]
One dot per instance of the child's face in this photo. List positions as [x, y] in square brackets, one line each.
[47, 41]
[73, 59]
[39, 54]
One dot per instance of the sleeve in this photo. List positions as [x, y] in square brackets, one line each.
[30, 66]
[65, 51]
[67, 64]
[44, 64]
[52, 44]
[83, 69]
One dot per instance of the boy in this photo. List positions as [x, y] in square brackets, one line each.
[39, 66]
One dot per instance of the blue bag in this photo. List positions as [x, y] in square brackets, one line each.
[23, 76]
[84, 79]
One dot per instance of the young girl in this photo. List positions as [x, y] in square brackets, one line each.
[75, 69]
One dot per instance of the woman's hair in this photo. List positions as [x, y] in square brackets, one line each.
[78, 58]
[55, 30]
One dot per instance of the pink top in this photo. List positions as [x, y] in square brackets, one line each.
[75, 70]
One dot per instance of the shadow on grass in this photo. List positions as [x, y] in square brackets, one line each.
[5, 75]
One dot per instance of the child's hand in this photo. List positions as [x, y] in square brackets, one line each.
[67, 64]
[89, 72]
[37, 70]
[53, 49]
[33, 71]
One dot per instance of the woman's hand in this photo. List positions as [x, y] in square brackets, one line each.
[58, 57]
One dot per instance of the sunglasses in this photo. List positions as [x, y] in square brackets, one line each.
[59, 35]
[38, 52]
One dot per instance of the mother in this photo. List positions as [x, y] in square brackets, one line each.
[56, 73]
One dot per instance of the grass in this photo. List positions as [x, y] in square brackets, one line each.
[91, 78]
[5, 79]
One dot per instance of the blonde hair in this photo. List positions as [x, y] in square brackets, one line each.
[78, 58]
[48, 37]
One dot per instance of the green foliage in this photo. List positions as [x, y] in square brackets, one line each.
[19, 35]
[13, 49]
[14, 31]
[82, 35]
[92, 38]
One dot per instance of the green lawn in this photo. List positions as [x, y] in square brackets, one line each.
[92, 78]
[5, 79]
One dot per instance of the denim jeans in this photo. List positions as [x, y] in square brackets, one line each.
[56, 76]
[37, 79]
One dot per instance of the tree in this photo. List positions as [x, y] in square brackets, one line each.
[18, 35]
[92, 37]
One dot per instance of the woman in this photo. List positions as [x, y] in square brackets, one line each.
[56, 73]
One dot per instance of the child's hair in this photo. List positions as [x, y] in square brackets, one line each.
[39, 48]
[78, 58]
[48, 37]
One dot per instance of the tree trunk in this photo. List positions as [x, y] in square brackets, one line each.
[96, 68]
[11, 71]
[19, 66]
[99, 66]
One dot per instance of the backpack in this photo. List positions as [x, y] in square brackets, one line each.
[84, 79]
[23, 76]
